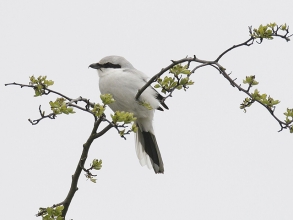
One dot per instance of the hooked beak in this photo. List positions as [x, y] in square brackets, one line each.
[95, 66]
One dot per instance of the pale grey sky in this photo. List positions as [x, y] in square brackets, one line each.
[220, 163]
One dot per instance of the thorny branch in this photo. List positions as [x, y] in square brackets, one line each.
[94, 135]
[215, 63]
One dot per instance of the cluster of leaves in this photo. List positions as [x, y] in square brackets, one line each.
[266, 100]
[125, 118]
[40, 84]
[267, 31]
[119, 116]
[60, 106]
[289, 118]
[250, 80]
[247, 102]
[96, 165]
[99, 109]
[179, 80]
[51, 213]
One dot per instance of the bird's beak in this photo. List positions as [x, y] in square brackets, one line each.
[95, 66]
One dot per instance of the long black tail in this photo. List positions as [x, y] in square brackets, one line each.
[149, 142]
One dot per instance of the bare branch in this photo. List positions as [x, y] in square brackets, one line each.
[81, 162]
[36, 121]
[55, 92]
[246, 43]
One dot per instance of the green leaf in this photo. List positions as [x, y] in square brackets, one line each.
[47, 217]
[272, 25]
[49, 211]
[255, 95]
[185, 71]
[184, 81]
[190, 82]
[60, 208]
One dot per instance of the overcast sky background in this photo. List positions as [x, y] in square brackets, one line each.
[220, 163]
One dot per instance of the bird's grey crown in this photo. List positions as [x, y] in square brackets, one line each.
[114, 62]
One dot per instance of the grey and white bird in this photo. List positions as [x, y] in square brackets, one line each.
[120, 79]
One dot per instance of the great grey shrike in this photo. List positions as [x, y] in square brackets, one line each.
[120, 79]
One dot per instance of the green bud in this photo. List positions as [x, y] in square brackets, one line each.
[284, 27]
[107, 99]
[93, 180]
[184, 81]
[97, 164]
[190, 82]
[146, 104]
[98, 110]
[134, 128]
[122, 132]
